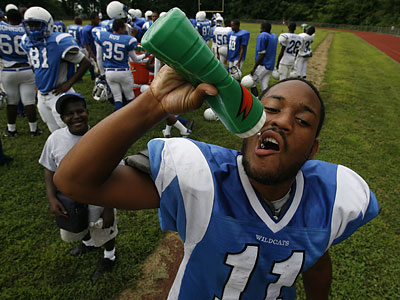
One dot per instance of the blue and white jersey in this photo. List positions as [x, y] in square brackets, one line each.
[105, 23]
[194, 22]
[305, 50]
[59, 26]
[204, 28]
[235, 40]
[221, 35]
[116, 48]
[293, 42]
[11, 51]
[267, 43]
[234, 247]
[45, 58]
[139, 22]
[75, 31]
[146, 26]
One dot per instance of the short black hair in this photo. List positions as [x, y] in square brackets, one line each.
[310, 30]
[292, 26]
[93, 15]
[266, 26]
[118, 24]
[322, 112]
[66, 98]
[78, 21]
[14, 16]
[236, 22]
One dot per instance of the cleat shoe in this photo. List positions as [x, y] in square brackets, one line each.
[189, 124]
[106, 265]
[6, 160]
[10, 133]
[166, 135]
[81, 249]
[37, 132]
[187, 133]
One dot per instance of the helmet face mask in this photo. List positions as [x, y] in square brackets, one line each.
[235, 72]
[38, 23]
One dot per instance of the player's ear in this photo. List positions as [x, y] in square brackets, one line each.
[314, 149]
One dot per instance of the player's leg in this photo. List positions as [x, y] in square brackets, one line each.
[299, 65]
[264, 81]
[126, 83]
[28, 93]
[112, 80]
[10, 86]
[303, 73]
[284, 71]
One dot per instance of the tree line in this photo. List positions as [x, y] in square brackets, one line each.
[352, 12]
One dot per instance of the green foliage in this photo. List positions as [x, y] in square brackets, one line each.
[361, 132]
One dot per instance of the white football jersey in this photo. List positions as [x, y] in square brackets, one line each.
[305, 49]
[293, 42]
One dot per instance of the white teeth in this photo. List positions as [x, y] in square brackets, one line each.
[271, 140]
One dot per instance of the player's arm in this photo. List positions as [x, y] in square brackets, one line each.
[260, 58]
[100, 63]
[55, 205]
[283, 48]
[317, 279]
[76, 57]
[242, 48]
[90, 173]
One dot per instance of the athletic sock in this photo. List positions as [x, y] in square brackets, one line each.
[109, 254]
[180, 127]
[11, 127]
[167, 130]
[33, 126]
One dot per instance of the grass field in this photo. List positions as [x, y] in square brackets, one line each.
[361, 132]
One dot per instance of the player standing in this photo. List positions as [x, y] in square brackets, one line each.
[87, 38]
[264, 58]
[114, 50]
[59, 26]
[221, 37]
[305, 51]
[237, 45]
[290, 44]
[52, 55]
[203, 25]
[17, 76]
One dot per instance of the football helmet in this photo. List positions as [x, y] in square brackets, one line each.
[10, 6]
[138, 13]
[162, 13]
[131, 12]
[223, 50]
[101, 90]
[210, 115]
[201, 16]
[219, 21]
[247, 81]
[147, 15]
[38, 23]
[117, 10]
[235, 72]
[275, 74]
[293, 74]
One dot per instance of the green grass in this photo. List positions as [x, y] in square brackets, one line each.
[361, 132]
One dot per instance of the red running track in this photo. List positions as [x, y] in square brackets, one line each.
[388, 44]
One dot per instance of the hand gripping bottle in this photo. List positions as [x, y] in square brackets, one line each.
[173, 40]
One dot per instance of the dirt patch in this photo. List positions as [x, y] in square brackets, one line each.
[159, 271]
[161, 266]
[317, 63]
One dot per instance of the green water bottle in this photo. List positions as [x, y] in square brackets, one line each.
[173, 40]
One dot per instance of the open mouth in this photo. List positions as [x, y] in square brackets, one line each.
[269, 143]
